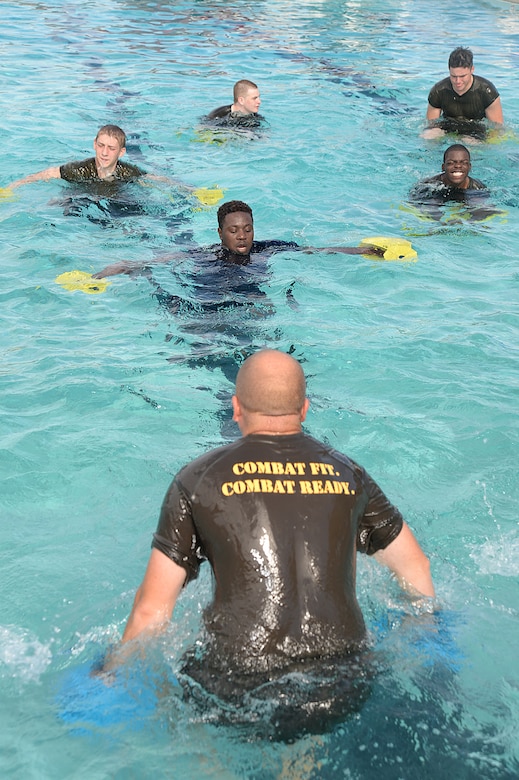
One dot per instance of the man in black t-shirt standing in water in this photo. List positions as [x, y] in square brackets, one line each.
[459, 103]
[280, 517]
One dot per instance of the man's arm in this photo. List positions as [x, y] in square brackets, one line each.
[346, 250]
[494, 112]
[48, 173]
[156, 597]
[408, 562]
[432, 113]
[153, 604]
[128, 266]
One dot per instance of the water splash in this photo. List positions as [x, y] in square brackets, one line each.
[498, 555]
[22, 655]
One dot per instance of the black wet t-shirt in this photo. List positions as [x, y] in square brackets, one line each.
[471, 105]
[280, 519]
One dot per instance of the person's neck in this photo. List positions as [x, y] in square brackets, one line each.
[237, 109]
[270, 425]
[272, 432]
[105, 173]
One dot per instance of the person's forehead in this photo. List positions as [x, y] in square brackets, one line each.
[458, 154]
[109, 140]
[460, 71]
[237, 218]
[252, 92]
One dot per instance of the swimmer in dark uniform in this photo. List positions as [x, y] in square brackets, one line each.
[459, 103]
[223, 279]
[243, 112]
[280, 517]
[237, 248]
[453, 185]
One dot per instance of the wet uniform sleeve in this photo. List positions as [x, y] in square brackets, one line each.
[381, 522]
[219, 113]
[127, 171]
[79, 171]
[435, 96]
[176, 535]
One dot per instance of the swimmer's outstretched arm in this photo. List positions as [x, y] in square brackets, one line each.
[48, 173]
[154, 177]
[408, 562]
[346, 250]
[153, 604]
[128, 266]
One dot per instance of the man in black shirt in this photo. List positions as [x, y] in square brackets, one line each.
[458, 103]
[222, 286]
[280, 518]
[453, 185]
[243, 112]
[237, 247]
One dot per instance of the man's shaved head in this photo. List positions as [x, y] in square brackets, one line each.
[271, 383]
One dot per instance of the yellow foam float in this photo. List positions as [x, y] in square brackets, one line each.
[6, 193]
[81, 281]
[398, 249]
[209, 196]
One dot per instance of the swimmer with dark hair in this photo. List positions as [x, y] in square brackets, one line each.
[454, 184]
[238, 246]
[458, 103]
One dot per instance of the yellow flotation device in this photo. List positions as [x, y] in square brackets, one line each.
[498, 136]
[208, 196]
[394, 248]
[82, 281]
[208, 136]
[6, 193]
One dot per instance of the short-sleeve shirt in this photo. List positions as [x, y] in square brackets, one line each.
[471, 105]
[85, 170]
[280, 520]
[219, 279]
[225, 117]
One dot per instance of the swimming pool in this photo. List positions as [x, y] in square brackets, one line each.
[412, 368]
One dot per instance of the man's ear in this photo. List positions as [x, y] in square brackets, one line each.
[123, 151]
[304, 409]
[220, 233]
[236, 409]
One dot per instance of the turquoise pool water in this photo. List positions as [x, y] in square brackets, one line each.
[412, 368]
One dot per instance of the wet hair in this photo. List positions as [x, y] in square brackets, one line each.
[241, 87]
[230, 208]
[461, 58]
[114, 132]
[457, 147]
